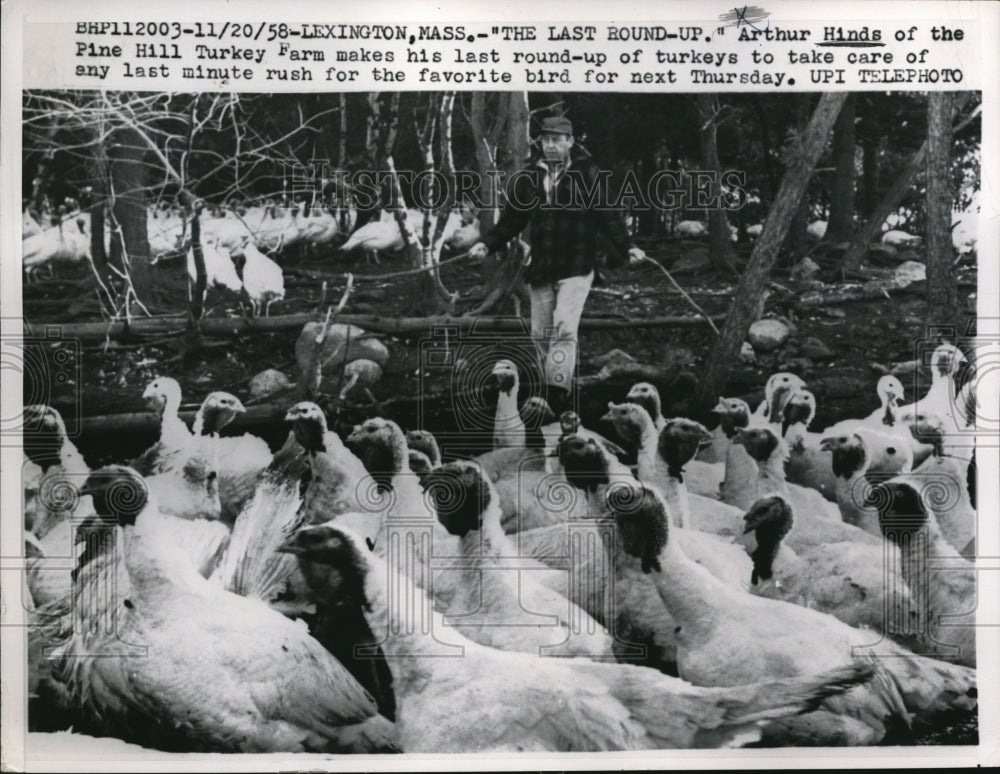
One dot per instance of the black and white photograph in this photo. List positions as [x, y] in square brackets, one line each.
[442, 417]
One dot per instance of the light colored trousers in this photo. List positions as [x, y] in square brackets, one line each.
[556, 309]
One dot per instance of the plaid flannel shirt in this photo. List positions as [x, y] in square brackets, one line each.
[565, 220]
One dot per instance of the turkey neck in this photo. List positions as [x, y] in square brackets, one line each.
[849, 492]
[890, 407]
[678, 502]
[695, 598]
[939, 392]
[152, 568]
[647, 457]
[507, 421]
[488, 542]
[771, 475]
[405, 625]
[171, 423]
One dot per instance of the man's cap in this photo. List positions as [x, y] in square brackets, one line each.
[557, 125]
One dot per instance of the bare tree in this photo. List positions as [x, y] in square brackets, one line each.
[146, 146]
[942, 290]
[841, 223]
[748, 301]
[720, 250]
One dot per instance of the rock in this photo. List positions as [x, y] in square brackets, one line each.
[747, 355]
[806, 269]
[612, 358]
[816, 229]
[268, 383]
[814, 349]
[767, 335]
[910, 271]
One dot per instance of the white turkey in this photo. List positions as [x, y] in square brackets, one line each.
[486, 700]
[219, 268]
[728, 637]
[274, 688]
[376, 237]
[263, 279]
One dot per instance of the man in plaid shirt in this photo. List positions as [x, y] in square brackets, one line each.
[567, 203]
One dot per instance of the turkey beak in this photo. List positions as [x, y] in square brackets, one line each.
[826, 444]
[720, 408]
[705, 440]
[738, 436]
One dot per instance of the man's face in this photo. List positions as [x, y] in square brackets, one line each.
[555, 147]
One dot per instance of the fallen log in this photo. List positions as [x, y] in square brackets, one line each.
[398, 326]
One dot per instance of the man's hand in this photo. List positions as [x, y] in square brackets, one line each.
[636, 256]
[478, 250]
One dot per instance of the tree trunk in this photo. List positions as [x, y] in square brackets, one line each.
[130, 242]
[649, 218]
[497, 272]
[871, 162]
[343, 210]
[369, 213]
[501, 273]
[167, 326]
[486, 139]
[942, 292]
[720, 251]
[841, 224]
[752, 286]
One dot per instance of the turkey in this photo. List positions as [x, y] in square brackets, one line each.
[938, 415]
[728, 637]
[511, 461]
[647, 396]
[379, 236]
[274, 688]
[941, 581]
[484, 592]
[856, 583]
[219, 268]
[263, 279]
[508, 427]
[163, 396]
[497, 701]
[771, 454]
